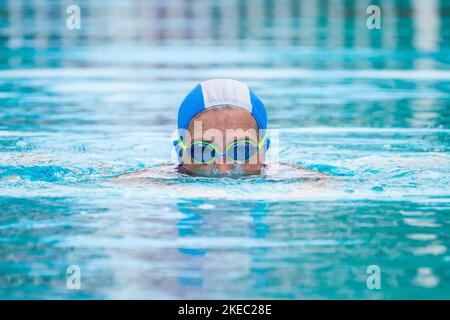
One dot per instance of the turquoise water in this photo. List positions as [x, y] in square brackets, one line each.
[80, 107]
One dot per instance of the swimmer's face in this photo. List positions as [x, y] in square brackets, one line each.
[222, 126]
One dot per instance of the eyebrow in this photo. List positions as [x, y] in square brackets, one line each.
[245, 138]
[244, 135]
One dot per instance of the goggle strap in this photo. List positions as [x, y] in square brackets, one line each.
[181, 144]
[263, 141]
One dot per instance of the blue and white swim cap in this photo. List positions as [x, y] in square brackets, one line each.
[220, 92]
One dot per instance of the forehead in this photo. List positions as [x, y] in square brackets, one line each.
[223, 118]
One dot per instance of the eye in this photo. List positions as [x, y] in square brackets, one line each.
[242, 151]
[202, 152]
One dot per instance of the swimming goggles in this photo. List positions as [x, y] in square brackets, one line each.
[205, 152]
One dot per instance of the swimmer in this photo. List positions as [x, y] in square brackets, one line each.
[222, 132]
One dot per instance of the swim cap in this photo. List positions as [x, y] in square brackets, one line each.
[220, 92]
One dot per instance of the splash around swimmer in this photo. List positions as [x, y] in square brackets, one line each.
[222, 132]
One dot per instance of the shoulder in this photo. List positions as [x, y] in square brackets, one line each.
[162, 171]
[292, 171]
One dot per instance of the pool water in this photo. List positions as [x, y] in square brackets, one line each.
[80, 107]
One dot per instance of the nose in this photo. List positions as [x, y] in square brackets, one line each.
[224, 168]
[222, 165]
